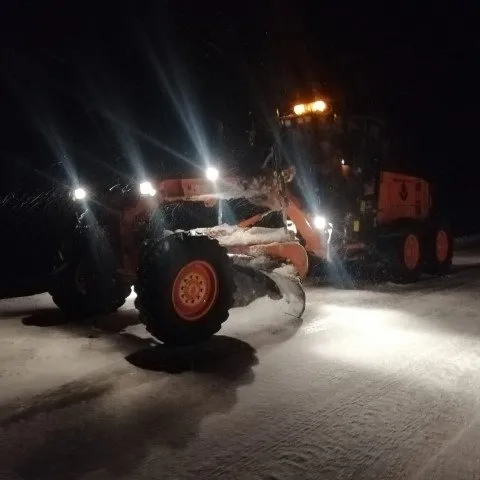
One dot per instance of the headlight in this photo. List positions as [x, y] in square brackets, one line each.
[79, 194]
[146, 188]
[320, 222]
[212, 174]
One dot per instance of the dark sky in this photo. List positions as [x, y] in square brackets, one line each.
[98, 85]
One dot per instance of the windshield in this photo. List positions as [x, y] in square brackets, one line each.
[313, 151]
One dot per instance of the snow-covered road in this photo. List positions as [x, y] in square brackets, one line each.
[377, 383]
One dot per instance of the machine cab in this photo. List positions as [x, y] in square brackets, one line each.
[342, 163]
[337, 156]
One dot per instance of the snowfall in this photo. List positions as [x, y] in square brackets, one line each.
[374, 382]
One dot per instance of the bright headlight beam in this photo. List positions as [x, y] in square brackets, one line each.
[146, 188]
[79, 193]
[320, 222]
[212, 174]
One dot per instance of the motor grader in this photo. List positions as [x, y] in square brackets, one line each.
[185, 281]
[343, 207]
[367, 213]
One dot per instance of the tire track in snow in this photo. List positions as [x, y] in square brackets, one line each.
[337, 405]
[430, 461]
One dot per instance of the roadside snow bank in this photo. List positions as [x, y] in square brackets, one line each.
[466, 241]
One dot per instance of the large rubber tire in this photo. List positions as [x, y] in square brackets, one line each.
[161, 269]
[89, 284]
[406, 254]
[438, 248]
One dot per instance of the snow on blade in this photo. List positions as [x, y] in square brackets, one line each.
[261, 262]
[228, 235]
[253, 283]
[286, 270]
[293, 294]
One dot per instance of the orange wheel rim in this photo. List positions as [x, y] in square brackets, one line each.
[411, 252]
[195, 290]
[441, 245]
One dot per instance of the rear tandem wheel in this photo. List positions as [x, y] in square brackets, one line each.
[438, 249]
[404, 252]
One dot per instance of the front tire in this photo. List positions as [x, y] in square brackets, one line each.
[88, 285]
[185, 288]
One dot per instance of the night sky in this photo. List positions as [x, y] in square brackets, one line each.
[97, 87]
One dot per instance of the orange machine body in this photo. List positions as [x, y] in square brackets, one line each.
[398, 197]
[265, 190]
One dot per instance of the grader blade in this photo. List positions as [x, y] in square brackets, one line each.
[267, 262]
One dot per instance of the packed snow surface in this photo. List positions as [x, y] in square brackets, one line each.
[376, 381]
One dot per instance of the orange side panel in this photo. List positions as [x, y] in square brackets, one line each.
[402, 196]
[185, 189]
[201, 189]
[249, 222]
[315, 241]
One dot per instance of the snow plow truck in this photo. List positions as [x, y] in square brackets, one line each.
[186, 281]
[322, 196]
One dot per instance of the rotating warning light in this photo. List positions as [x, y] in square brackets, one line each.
[318, 106]
[299, 109]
